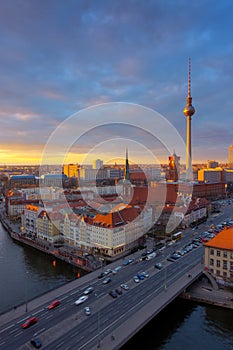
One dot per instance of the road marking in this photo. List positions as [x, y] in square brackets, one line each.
[2, 343]
[7, 328]
[74, 292]
[17, 334]
[61, 309]
[37, 312]
[50, 316]
[61, 343]
[64, 297]
[23, 319]
[40, 331]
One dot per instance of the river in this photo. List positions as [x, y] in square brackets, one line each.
[26, 273]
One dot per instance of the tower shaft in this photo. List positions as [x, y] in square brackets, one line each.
[188, 147]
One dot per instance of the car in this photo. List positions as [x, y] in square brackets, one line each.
[170, 259]
[126, 262]
[158, 266]
[81, 299]
[136, 279]
[88, 290]
[117, 269]
[87, 311]
[145, 274]
[54, 304]
[175, 256]
[29, 322]
[118, 291]
[101, 275]
[124, 286]
[36, 343]
[113, 294]
[107, 280]
[140, 276]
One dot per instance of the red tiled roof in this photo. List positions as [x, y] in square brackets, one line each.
[115, 219]
[223, 240]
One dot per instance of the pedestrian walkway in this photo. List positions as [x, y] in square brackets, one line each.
[203, 292]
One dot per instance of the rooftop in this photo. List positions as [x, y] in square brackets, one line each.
[224, 240]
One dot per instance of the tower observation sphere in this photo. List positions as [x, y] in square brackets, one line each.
[189, 110]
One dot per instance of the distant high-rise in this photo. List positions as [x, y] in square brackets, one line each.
[211, 164]
[97, 164]
[230, 156]
[71, 170]
[173, 171]
[189, 112]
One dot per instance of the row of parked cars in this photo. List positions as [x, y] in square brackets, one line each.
[187, 248]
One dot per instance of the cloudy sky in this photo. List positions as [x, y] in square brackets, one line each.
[60, 57]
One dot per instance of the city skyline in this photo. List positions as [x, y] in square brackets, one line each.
[59, 59]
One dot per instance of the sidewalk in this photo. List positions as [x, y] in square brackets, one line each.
[203, 292]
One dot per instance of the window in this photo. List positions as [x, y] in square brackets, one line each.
[211, 262]
[218, 272]
[225, 264]
[218, 263]
[212, 251]
[225, 254]
[224, 274]
[218, 253]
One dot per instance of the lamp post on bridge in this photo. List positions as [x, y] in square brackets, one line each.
[26, 292]
[98, 320]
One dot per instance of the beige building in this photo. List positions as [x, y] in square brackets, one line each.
[219, 256]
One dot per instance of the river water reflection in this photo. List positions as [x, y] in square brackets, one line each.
[26, 272]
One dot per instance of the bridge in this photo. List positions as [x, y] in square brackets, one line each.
[112, 321]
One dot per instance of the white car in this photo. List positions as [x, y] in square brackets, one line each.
[124, 286]
[87, 311]
[88, 290]
[81, 299]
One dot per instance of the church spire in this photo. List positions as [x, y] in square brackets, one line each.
[126, 172]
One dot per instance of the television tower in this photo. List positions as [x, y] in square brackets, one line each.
[188, 112]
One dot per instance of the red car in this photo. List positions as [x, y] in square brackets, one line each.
[54, 304]
[30, 321]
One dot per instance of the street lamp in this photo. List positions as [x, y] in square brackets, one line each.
[98, 321]
[26, 294]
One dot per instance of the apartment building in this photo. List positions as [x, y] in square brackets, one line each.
[219, 256]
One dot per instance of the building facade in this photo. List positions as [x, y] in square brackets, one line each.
[219, 256]
[71, 170]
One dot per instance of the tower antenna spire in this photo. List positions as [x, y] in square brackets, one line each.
[189, 77]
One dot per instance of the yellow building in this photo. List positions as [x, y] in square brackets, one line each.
[71, 170]
[219, 256]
